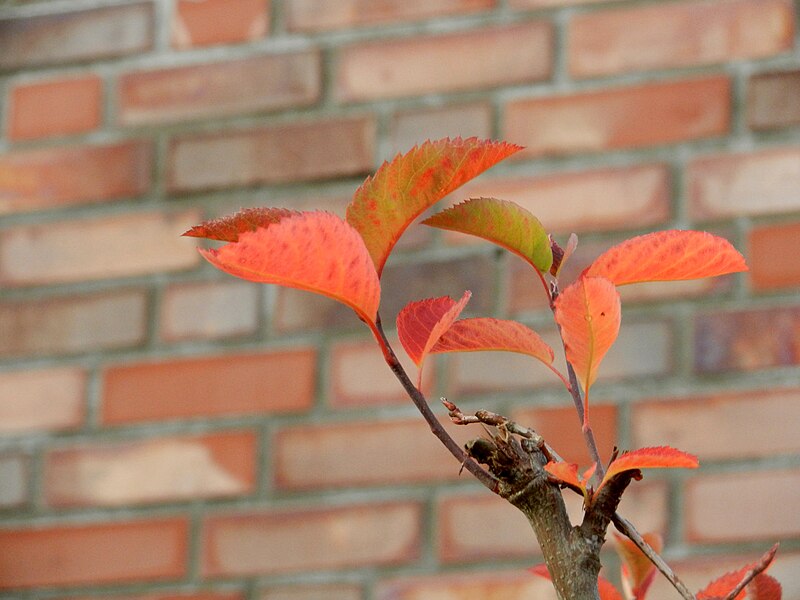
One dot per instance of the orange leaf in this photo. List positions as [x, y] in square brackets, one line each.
[421, 324]
[637, 570]
[503, 223]
[762, 587]
[230, 227]
[588, 313]
[568, 474]
[313, 251]
[667, 256]
[658, 457]
[385, 205]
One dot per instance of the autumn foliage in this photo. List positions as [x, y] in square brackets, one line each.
[343, 259]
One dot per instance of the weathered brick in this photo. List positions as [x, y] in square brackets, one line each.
[211, 22]
[678, 34]
[329, 591]
[14, 475]
[335, 538]
[94, 553]
[152, 470]
[209, 386]
[73, 324]
[209, 310]
[772, 261]
[418, 66]
[76, 35]
[363, 453]
[746, 340]
[58, 176]
[628, 117]
[561, 428]
[596, 200]
[409, 128]
[497, 585]
[642, 349]
[728, 185]
[293, 152]
[96, 248]
[218, 89]
[360, 377]
[41, 400]
[752, 424]
[770, 100]
[53, 107]
[758, 505]
[320, 15]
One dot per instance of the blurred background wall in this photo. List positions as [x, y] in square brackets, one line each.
[171, 432]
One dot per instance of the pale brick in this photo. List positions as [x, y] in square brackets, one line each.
[410, 128]
[751, 424]
[41, 400]
[211, 22]
[549, 3]
[313, 592]
[217, 89]
[743, 506]
[335, 538]
[763, 182]
[497, 585]
[771, 100]
[279, 154]
[412, 67]
[678, 34]
[96, 248]
[629, 117]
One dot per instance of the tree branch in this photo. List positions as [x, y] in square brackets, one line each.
[753, 572]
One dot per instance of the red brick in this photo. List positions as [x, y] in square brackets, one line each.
[14, 473]
[211, 22]
[773, 262]
[770, 102]
[56, 176]
[409, 128]
[209, 310]
[335, 538]
[313, 592]
[67, 325]
[42, 400]
[594, 200]
[496, 585]
[396, 68]
[561, 428]
[55, 107]
[753, 424]
[733, 185]
[364, 453]
[630, 117]
[294, 152]
[320, 15]
[360, 376]
[234, 385]
[219, 89]
[152, 470]
[747, 340]
[678, 34]
[96, 248]
[76, 35]
[643, 349]
[95, 553]
[167, 596]
[735, 507]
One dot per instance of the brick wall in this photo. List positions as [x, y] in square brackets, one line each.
[171, 432]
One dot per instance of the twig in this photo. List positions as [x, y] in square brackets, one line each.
[588, 433]
[486, 478]
[753, 572]
[626, 528]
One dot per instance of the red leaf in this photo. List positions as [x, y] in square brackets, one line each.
[762, 587]
[666, 256]
[638, 572]
[487, 334]
[313, 251]
[588, 313]
[385, 205]
[421, 324]
[568, 474]
[659, 457]
[503, 223]
[228, 228]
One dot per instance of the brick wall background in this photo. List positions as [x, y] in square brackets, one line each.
[171, 432]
